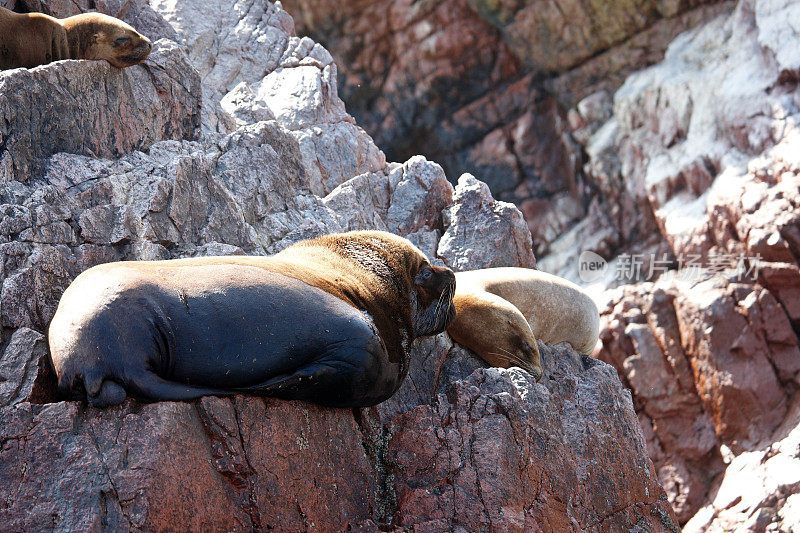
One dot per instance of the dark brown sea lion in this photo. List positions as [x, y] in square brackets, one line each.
[32, 39]
[329, 320]
[501, 311]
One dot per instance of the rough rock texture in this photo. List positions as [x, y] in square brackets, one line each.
[279, 160]
[118, 110]
[554, 36]
[699, 156]
[252, 463]
[484, 87]
[499, 438]
[254, 68]
[477, 230]
[496, 451]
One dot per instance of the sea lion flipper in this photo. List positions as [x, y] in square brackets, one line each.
[153, 387]
[321, 382]
[111, 393]
[348, 375]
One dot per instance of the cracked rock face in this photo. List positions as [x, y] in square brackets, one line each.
[700, 154]
[118, 110]
[485, 87]
[277, 159]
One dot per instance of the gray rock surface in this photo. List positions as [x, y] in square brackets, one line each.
[116, 110]
[23, 360]
[482, 232]
[279, 161]
[254, 68]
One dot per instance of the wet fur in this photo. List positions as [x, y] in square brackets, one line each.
[171, 330]
[32, 39]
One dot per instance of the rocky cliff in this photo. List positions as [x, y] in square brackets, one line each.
[706, 145]
[232, 139]
[684, 175]
[486, 87]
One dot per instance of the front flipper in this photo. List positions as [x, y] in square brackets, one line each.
[150, 386]
[350, 374]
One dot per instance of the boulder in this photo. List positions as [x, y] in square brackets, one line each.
[117, 110]
[482, 232]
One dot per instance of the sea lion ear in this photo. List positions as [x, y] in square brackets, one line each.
[423, 275]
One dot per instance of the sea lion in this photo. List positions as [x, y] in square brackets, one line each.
[494, 306]
[329, 320]
[495, 330]
[32, 39]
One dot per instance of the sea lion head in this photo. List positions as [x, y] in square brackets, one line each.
[99, 36]
[433, 290]
[404, 288]
[497, 331]
[430, 288]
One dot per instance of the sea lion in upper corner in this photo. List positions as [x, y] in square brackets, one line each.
[495, 306]
[330, 320]
[32, 39]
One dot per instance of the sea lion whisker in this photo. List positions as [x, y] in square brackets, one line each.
[519, 362]
[505, 351]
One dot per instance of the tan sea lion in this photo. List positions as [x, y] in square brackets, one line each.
[495, 330]
[329, 320]
[494, 305]
[32, 39]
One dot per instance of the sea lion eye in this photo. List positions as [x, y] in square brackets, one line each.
[121, 41]
[426, 274]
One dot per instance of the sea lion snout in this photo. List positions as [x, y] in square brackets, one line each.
[436, 287]
[530, 353]
[131, 49]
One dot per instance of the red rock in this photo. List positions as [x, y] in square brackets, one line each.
[641, 338]
[493, 450]
[497, 452]
[488, 94]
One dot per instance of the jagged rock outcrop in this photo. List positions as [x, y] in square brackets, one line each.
[484, 87]
[279, 160]
[697, 158]
[497, 437]
[117, 110]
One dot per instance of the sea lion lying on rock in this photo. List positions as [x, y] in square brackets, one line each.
[32, 39]
[330, 320]
[500, 312]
